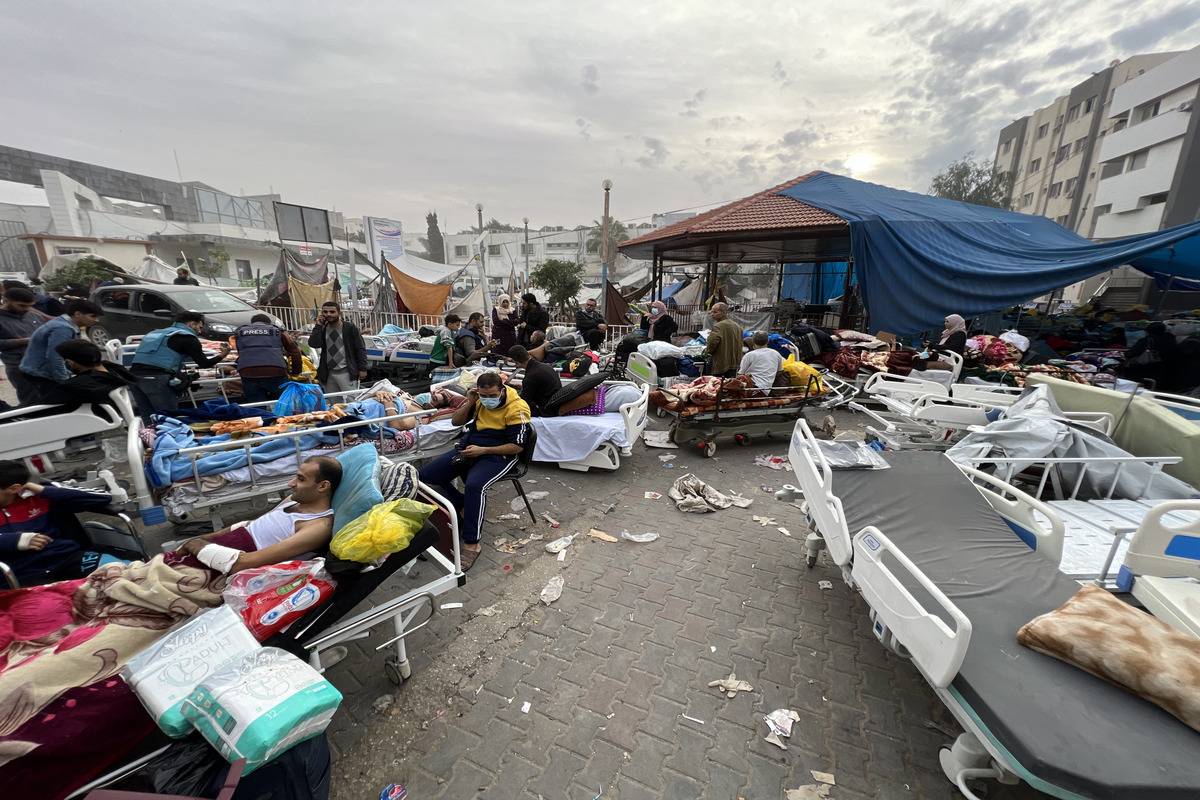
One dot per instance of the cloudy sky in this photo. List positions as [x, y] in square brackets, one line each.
[391, 108]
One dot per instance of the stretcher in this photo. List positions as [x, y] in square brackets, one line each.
[327, 626]
[256, 483]
[614, 433]
[950, 596]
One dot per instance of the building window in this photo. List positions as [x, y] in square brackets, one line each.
[1035, 165]
[525, 249]
[1063, 153]
[1062, 220]
[1148, 111]
[493, 249]
[1080, 144]
[562, 245]
[460, 251]
[70, 251]
[1138, 160]
[1070, 187]
[1089, 104]
[1004, 148]
[1152, 200]
[1055, 189]
[1043, 130]
[1027, 200]
[223, 208]
[243, 269]
[1119, 125]
[1112, 168]
[1073, 113]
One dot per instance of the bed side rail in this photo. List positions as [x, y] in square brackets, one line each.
[937, 649]
[987, 395]
[1163, 550]
[1051, 471]
[636, 414]
[816, 481]
[1184, 406]
[901, 387]
[641, 369]
[948, 411]
[1021, 509]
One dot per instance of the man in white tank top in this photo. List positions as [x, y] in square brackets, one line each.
[303, 523]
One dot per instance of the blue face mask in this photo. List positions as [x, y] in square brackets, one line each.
[490, 402]
[423, 399]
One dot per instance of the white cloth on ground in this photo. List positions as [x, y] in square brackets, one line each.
[572, 438]
[762, 365]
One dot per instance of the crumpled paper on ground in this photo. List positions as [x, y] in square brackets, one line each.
[731, 686]
[694, 495]
[780, 723]
[810, 791]
[552, 590]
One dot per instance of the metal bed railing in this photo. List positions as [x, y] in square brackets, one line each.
[1051, 471]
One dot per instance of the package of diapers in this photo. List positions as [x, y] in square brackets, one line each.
[166, 672]
[259, 706]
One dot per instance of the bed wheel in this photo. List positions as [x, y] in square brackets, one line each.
[709, 449]
[810, 560]
[660, 412]
[397, 671]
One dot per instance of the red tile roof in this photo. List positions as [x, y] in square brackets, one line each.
[766, 211]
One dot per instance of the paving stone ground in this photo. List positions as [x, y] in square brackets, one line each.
[616, 671]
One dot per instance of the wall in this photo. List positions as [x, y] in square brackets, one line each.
[36, 218]
[123, 254]
[1125, 191]
[1159, 79]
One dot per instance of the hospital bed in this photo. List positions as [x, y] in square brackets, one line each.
[948, 585]
[580, 442]
[222, 384]
[248, 484]
[23, 436]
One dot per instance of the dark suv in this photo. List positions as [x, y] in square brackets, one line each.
[135, 310]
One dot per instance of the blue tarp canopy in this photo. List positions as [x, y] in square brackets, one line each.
[919, 257]
[814, 282]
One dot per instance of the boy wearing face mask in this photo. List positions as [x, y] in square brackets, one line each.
[497, 421]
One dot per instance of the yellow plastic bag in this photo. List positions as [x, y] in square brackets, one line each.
[386, 528]
[799, 373]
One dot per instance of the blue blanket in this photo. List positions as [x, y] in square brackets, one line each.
[167, 466]
[220, 410]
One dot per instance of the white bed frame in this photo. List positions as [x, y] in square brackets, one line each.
[607, 456]
[42, 436]
[823, 507]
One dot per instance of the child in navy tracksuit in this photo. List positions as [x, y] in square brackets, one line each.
[32, 542]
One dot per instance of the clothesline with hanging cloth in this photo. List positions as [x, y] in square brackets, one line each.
[417, 296]
[309, 295]
[277, 291]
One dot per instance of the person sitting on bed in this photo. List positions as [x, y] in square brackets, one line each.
[549, 350]
[92, 378]
[953, 340]
[541, 380]
[301, 524]
[487, 451]
[31, 541]
[762, 364]
[603, 399]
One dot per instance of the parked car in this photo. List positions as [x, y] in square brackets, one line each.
[135, 310]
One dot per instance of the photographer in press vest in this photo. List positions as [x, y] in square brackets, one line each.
[261, 363]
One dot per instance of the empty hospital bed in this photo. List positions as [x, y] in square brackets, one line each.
[581, 442]
[948, 585]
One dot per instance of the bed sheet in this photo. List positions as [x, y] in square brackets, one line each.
[572, 438]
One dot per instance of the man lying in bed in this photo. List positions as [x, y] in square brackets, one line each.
[301, 524]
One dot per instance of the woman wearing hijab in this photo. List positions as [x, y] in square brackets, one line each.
[954, 340]
[658, 324]
[504, 324]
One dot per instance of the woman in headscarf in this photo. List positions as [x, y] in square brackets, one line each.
[504, 324]
[658, 324]
[953, 340]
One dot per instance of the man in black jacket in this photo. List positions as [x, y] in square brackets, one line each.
[541, 380]
[590, 323]
[533, 318]
[343, 351]
[92, 378]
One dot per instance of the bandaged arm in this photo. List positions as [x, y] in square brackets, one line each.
[218, 557]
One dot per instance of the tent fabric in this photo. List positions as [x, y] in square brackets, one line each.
[155, 270]
[669, 291]
[810, 282]
[290, 265]
[418, 296]
[952, 257]
[616, 310]
[309, 295]
[687, 296]
[471, 302]
[425, 270]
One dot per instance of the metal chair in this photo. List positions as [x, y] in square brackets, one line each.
[523, 460]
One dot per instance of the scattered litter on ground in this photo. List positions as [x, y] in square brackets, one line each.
[731, 686]
[823, 777]
[551, 521]
[393, 791]
[506, 568]
[825, 584]
[780, 723]
[668, 465]
[525, 707]
[784, 531]
[661, 439]
[509, 516]
[652, 495]
[509, 546]
[829, 425]
[767, 489]
[640, 538]
[811, 791]
[552, 590]
[562, 555]
[488, 611]
[694, 495]
[772, 462]
[666, 457]
[560, 544]
[535, 537]
[738, 500]
[517, 503]
[382, 703]
[596, 533]
[763, 521]
[692, 719]
[449, 606]
[610, 716]
[611, 507]
[712, 649]
[531, 480]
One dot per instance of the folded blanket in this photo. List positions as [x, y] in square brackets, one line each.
[1115, 641]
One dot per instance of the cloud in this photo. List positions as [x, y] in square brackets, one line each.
[656, 152]
[1146, 34]
[585, 128]
[1073, 54]
[780, 76]
[968, 41]
[692, 104]
[799, 138]
[724, 123]
[591, 74]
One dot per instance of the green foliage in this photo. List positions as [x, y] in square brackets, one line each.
[562, 281]
[214, 263]
[83, 272]
[435, 245]
[617, 234]
[972, 182]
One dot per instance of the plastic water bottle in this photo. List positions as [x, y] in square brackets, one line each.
[393, 791]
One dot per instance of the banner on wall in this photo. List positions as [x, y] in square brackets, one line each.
[385, 235]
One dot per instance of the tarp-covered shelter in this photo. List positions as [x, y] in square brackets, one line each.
[916, 257]
[417, 296]
[154, 270]
[292, 268]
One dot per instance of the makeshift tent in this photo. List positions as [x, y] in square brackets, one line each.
[471, 302]
[309, 295]
[290, 265]
[920, 257]
[416, 296]
[616, 310]
[813, 283]
[154, 270]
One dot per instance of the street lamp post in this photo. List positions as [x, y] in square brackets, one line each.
[604, 251]
[525, 286]
[482, 246]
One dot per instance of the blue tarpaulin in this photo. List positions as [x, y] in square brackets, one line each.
[919, 257]
[811, 282]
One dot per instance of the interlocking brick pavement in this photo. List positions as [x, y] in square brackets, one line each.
[613, 668]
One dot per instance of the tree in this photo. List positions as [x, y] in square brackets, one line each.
[84, 272]
[435, 245]
[617, 234]
[562, 280]
[214, 263]
[972, 181]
